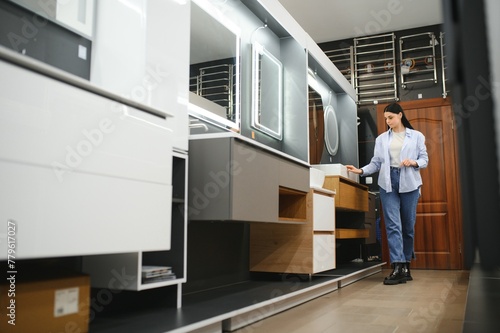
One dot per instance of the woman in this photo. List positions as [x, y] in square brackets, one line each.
[399, 155]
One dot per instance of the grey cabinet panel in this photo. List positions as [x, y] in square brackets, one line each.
[255, 184]
[293, 175]
[209, 179]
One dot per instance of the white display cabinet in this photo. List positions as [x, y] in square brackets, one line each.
[96, 169]
[104, 269]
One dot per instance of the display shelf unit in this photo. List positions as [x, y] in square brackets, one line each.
[443, 64]
[343, 59]
[307, 248]
[374, 69]
[418, 58]
[105, 269]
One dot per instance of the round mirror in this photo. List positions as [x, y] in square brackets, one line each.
[331, 131]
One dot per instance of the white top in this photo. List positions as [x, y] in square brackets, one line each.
[395, 148]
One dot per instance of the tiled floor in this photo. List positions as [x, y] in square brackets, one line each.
[433, 302]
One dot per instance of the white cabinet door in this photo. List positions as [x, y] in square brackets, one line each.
[323, 212]
[324, 253]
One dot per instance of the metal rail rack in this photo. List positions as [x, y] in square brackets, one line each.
[443, 65]
[418, 58]
[343, 59]
[374, 69]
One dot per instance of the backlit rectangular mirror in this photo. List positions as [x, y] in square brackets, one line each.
[267, 92]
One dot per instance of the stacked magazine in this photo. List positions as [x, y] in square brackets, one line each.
[157, 274]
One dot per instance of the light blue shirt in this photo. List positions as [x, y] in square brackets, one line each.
[413, 148]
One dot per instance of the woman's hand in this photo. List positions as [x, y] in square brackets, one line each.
[409, 163]
[353, 169]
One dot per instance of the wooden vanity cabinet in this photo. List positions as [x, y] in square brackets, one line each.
[351, 197]
[306, 248]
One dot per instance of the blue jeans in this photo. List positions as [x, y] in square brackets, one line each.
[400, 211]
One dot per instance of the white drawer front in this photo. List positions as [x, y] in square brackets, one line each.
[51, 124]
[323, 212]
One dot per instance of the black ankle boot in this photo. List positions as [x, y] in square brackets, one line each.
[397, 275]
[406, 271]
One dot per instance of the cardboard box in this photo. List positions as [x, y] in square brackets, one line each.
[57, 304]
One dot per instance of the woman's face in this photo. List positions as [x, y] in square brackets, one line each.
[393, 120]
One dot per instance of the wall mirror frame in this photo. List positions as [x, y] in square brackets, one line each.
[267, 92]
[320, 90]
[214, 67]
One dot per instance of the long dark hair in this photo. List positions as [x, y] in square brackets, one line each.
[396, 108]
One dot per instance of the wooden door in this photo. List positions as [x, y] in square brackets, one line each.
[438, 229]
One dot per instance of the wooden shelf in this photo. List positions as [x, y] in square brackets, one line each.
[291, 220]
[292, 205]
[352, 233]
